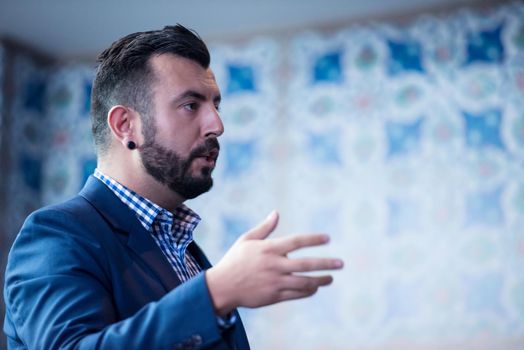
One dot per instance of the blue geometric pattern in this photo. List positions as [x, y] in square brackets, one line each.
[403, 138]
[484, 294]
[239, 157]
[518, 38]
[484, 208]
[34, 96]
[408, 95]
[88, 166]
[323, 148]
[87, 98]
[367, 57]
[518, 202]
[404, 56]
[241, 79]
[483, 129]
[403, 216]
[485, 46]
[328, 68]
[233, 227]
[517, 130]
[31, 170]
[61, 97]
[402, 300]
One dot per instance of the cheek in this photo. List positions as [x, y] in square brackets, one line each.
[177, 140]
[178, 133]
[182, 149]
[185, 141]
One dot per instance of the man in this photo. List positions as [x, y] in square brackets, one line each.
[116, 267]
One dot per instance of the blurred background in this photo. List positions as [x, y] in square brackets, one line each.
[395, 126]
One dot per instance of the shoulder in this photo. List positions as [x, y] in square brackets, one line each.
[55, 243]
[59, 235]
[72, 217]
[75, 206]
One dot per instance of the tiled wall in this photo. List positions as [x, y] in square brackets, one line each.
[406, 144]
[23, 131]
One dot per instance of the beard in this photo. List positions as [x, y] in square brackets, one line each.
[173, 170]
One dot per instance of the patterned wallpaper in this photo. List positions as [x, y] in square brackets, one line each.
[71, 157]
[2, 59]
[29, 130]
[405, 143]
[4, 243]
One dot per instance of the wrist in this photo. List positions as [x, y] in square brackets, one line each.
[221, 296]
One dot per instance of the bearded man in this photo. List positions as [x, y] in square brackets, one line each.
[116, 266]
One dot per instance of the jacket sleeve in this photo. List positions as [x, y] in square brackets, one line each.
[58, 296]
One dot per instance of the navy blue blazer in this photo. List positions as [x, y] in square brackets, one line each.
[85, 274]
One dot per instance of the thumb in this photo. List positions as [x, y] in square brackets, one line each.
[263, 229]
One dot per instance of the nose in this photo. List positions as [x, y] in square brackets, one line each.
[213, 124]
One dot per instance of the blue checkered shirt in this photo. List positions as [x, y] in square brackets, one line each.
[172, 232]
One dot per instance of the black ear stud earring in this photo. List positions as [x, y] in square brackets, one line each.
[131, 145]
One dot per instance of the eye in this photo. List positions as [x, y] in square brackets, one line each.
[217, 107]
[190, 106]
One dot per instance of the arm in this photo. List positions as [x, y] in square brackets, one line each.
[58, 294]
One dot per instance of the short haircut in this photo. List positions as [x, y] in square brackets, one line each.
[124, 75]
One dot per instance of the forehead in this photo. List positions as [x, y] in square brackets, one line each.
[178, 74]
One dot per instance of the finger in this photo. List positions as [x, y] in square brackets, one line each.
[262, 230]
[311, 264]
[294, 294]
[303, 287]
[305, 283]
[285, 245]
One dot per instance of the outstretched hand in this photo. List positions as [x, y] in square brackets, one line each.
[256, 271]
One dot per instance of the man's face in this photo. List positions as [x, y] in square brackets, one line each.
[180, 135]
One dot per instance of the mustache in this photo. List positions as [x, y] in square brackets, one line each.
[207, 147]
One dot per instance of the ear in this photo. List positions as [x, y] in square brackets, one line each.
[124, 123]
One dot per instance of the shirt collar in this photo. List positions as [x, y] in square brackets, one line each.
[147, 211]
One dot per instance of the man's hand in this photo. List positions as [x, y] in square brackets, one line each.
[257, 272]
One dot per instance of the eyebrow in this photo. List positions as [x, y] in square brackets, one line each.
[195, 94]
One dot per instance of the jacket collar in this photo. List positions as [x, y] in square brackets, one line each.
[125, 222]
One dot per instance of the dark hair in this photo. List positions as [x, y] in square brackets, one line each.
[124, 75]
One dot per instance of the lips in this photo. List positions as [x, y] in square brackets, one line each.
[213, 154]
[207, 153]
[210, 156]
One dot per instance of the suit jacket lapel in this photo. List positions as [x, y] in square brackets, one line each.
[125, 222]
[199, 256]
